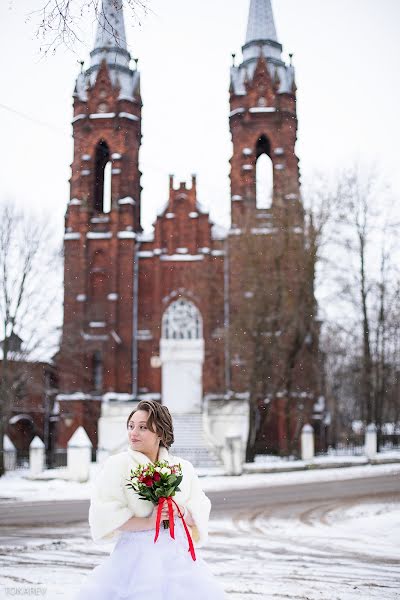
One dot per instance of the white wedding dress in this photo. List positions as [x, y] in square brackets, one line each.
[139, 569]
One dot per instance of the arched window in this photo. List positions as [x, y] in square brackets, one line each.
[264, 173]
[97, 371]
[102, 182]
[182, 321]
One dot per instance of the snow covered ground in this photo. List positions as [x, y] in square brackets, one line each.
[325, 551]
[344, 549]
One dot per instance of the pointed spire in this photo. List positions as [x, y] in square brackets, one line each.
[110, 43]
[261, 32]
[260, 25]
[111, 26]
[110, 48]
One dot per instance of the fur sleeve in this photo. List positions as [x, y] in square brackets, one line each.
[200, 506]
[108, 508]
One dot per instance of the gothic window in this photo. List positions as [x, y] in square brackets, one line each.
[264, 173]
[182, 321]
[97, 371]
[102, 182]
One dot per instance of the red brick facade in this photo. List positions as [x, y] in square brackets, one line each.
[119, 282]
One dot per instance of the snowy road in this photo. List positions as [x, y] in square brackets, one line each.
[327, 548]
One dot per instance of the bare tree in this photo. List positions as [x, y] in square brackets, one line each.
[30, 302]
[60, 22]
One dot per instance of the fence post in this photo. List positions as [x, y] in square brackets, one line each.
[370, 447]
[79, 455]
[307, 442]
[36, 456]
[10, 454]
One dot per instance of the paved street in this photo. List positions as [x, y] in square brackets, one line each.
[59, 513]
[329, 541]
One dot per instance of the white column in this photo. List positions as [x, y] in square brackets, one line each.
[231, 454]
[307, 442]
[370, 447]
[10, 456]
[36, 456]
[79, 455]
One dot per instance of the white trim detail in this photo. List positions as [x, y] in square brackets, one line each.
[217, 252]
[97, 324]
[78, 118]
[279, 151]
[144, 334]
[279, 167]
[182, 257]
[234, 231]
[113, 296]
[75, 202]
[170, 215]
[85, 157]
[263, 230]
[121, 396]
[247, 151]
[262, 109]
[126, 115]
[81, 298]
[72, 235]
[99, 219]
[236, 197]
[116, 156]
[193, 215]
[126, 235]
[127, 200]
[145, 254]
[102, 115]
[182, 250]
[116, 337]
[89, 337]
[204, 250]
[115, 171]
[99, 235]
[85, 172]
[236, 111]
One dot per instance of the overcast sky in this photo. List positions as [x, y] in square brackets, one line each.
[346, 55]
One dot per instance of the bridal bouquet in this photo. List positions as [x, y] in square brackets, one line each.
[155, 481]
[158, 482]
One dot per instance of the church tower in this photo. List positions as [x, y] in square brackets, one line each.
[97, 355]
[274, 338]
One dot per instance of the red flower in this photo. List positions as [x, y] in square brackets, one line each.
[156, 476]
[148, 481]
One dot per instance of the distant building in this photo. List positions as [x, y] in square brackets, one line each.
[151, 315]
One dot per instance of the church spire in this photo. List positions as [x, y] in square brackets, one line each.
[260, 25]
[110, 47]
[110, 43]
[111, 26]
[261, 32]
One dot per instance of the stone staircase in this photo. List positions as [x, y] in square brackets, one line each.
[190, 442]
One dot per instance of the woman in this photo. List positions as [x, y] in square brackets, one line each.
[138, 567]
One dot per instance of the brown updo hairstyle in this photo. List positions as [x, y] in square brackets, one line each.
[159, 420]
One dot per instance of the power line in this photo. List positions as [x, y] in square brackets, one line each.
[33, 120]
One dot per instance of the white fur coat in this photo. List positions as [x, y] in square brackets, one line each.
[112, 503]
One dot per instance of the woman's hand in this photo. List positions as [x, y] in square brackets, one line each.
[164, 513]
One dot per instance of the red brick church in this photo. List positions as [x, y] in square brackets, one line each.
[152, 315]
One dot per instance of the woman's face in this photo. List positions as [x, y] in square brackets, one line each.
[141, 438]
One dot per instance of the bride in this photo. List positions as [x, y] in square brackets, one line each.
[138, 567]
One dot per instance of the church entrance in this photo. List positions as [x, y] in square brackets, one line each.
[182, 357]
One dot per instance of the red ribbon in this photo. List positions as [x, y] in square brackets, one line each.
[169, 501]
